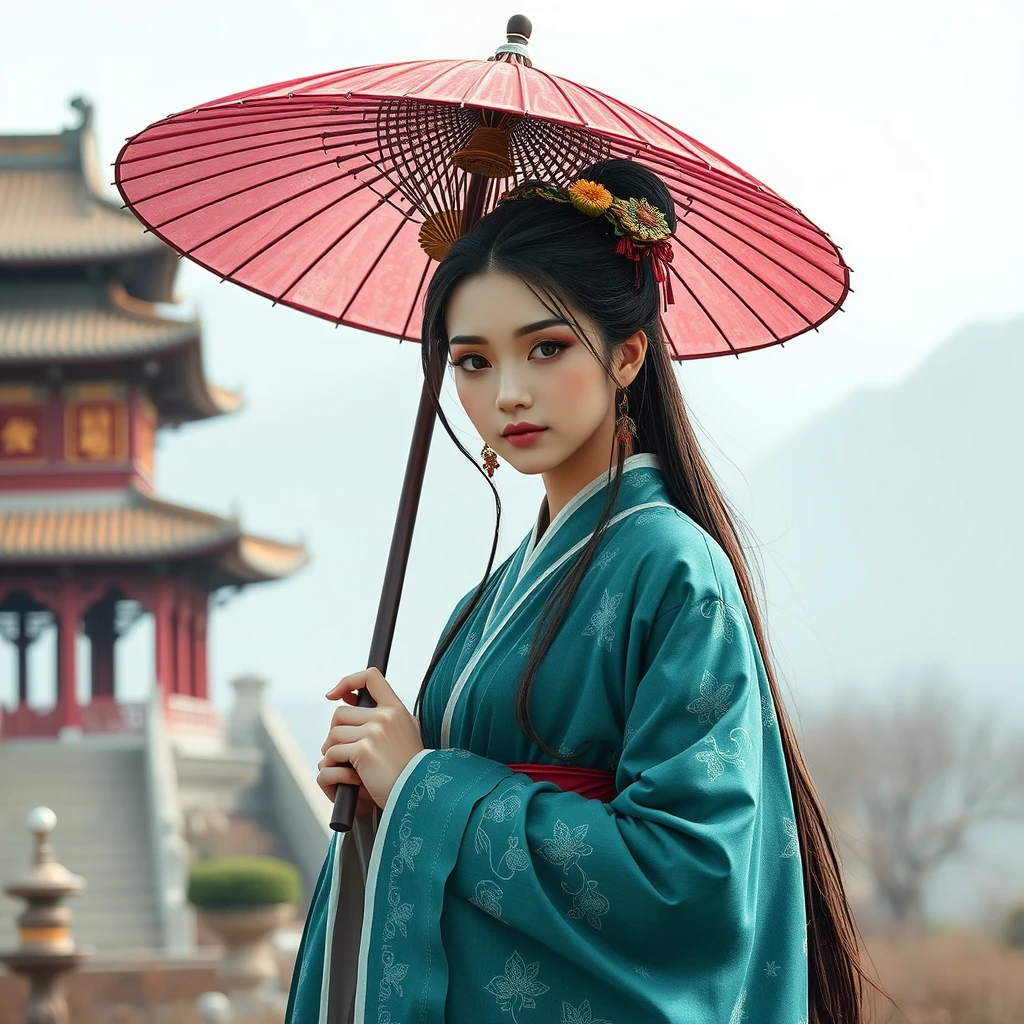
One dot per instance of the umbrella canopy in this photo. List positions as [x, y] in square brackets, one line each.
[335, 194]
[327, 193]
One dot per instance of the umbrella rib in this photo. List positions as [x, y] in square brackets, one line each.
[348, 230]
[791, 272]
[812, 238]
[603, 101]
[253, 216]
[373, 266]
[228, 195]
[478, 83]
[714, 180]
[238, 192]
[704, 309]
[739, 298]
[164, 168]
[423, 86]
[330, 78]
[739, 187]
[195, 126]
[524, 87]
[565, 96]
[415, 300]
[667, 334]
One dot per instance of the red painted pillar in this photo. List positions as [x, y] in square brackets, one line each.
[164, 623]
[67, 632]
[183, 639]
[200, 682]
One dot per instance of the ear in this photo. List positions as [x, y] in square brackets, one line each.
[629, 357]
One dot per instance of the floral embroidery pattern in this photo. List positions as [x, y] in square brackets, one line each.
[636, 479]
[399, 912]
[488, 896]
[606, 558]
[470, 642]
[647, 516]
[524, 650]
[603, 620]
[398, 915]
[721, 616]
[588, 903]
[516, 988]
[716, 759]
[792, 847]
[579, 1014]
[565, 848]
[514, 859]
[767, 711]
[392, 975]
[642, 971]
[771, 969]
[714, 700]
[502, 808]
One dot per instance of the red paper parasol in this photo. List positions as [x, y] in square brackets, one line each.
[328, 194]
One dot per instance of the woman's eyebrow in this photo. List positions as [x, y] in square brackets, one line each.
[540, 325]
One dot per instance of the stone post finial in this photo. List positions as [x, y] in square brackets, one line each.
[46, 950]
[214, 1008]
[245, 715]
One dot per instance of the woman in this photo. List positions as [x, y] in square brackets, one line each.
[601, 815]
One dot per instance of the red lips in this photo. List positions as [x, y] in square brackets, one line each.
[521, 428]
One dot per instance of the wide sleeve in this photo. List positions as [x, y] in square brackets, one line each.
[660, 885]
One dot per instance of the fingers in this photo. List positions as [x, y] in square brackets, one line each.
[374, 731]
[370, 679]
[346, 714]
[329, 778]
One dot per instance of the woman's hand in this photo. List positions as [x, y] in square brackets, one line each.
[376, 742]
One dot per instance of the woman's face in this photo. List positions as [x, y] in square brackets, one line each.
[516, 363]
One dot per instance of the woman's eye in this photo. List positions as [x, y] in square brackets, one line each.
[550, 349]
[466, 362]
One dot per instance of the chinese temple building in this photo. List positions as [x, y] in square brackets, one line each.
[96, 356]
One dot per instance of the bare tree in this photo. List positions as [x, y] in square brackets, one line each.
[907, 777]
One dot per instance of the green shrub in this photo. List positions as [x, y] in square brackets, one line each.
[1015, 927]
[243, 882]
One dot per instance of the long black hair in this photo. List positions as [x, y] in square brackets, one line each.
[568, 259]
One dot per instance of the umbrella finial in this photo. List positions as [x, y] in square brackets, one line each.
[518, 33]
[519, 25]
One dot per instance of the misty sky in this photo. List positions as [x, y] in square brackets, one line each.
[894, 126]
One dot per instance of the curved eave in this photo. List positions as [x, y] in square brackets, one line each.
[259, 560]
[40, 331]
[129, 527]
[124, 528]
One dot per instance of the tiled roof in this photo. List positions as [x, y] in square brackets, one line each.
[54, 322]
[52, 215]
[79, 323]
[127, 527]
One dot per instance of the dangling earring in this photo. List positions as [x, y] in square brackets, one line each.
[625, 428]
[490, 457]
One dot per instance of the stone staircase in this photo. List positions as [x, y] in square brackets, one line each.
[97, 788]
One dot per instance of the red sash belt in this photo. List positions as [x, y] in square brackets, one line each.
[592, 783]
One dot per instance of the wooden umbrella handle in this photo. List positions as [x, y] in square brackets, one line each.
[346, 794]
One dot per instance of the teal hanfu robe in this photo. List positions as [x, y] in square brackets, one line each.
[482, 895]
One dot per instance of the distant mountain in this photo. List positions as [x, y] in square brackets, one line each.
[890, 535]
[890, 528]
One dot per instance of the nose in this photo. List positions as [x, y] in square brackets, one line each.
[512, 393]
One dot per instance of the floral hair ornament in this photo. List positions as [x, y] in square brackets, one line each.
[641, 227]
